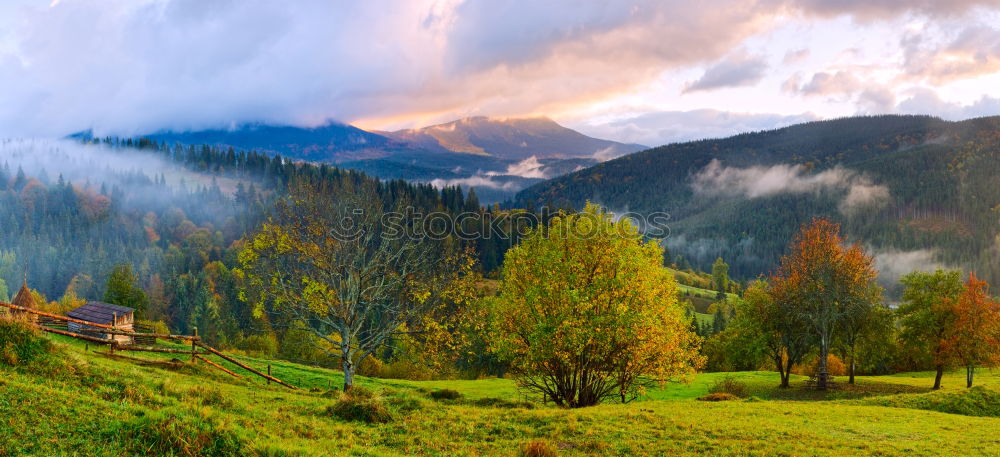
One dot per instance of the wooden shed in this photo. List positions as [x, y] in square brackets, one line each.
[24, 299]
[121, 317]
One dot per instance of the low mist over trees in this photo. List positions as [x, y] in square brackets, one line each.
[822, 302]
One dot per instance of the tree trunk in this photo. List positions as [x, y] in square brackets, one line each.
[937, 378]
[851, 368]
[822, 371]
[348, 366]
[969, 373]
[779, 361]
[348, 374]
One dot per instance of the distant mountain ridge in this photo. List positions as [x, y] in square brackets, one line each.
[918, 191]
[515, 139]
[327, 143]
[475, 152]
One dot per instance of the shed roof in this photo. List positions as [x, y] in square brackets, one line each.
[99, 313]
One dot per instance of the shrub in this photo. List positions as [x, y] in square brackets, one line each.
[262, 345]
[977, 401]
[20, 344]
[538, 448]
[368, 409]
[331, 394]
[446, 394]
[396, 369]
[209, 396]
[719, 396]
[493, 402]
[360, 392]
[154, 326]
[406, 404]
[729, 385]
[178, 434]
[834, 366]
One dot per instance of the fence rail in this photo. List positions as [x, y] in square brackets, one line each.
[54, 323]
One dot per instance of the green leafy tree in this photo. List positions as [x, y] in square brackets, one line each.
[123, 289]
[926, 316]
[586, 312]
[866, 321]
[775, 325]
[720, 277]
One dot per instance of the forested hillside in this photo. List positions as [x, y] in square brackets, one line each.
[73, 212]
[920, 191]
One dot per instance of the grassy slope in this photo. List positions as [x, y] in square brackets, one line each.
[99, 406]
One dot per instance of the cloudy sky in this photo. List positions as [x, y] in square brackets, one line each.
[639, 71]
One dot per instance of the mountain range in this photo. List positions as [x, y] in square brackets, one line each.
[918, 191]
[495, 156]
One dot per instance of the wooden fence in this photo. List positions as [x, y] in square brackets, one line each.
[142, 341]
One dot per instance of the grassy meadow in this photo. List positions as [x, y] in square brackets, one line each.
[77, 402]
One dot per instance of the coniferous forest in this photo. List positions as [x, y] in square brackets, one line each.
[175, 217]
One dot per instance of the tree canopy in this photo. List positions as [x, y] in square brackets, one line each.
[586, 310]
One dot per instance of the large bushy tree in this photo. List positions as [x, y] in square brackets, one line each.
[123, 289]
[974, 337]
[586, 312]
[826, 282]
[328, 263]
[776, 325]
[927, 317]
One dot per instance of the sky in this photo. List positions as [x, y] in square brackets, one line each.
[648, 72]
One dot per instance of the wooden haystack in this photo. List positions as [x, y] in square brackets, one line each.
[24, 299]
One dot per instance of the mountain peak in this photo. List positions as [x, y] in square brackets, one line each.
[511, 138]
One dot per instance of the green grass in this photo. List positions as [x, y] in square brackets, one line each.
[95, 405]
[704, 319]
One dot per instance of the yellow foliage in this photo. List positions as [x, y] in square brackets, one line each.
[588, 292]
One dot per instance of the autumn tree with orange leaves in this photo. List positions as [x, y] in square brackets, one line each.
[825, 282]
[973, 339]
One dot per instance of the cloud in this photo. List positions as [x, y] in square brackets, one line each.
[527, 168]
[966, 51]
[826, 84]
[664, 127]
[735, 71]
[923, 100]
[866, 10]
[876, 99]
[893, 264]
[130, 66]
[477, 181]
[127, 66]
[759, 181]
[795, 56]
[607, 154]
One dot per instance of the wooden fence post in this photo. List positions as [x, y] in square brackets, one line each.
[194, 348]
[269, 374]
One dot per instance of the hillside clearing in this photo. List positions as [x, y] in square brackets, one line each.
[95, 405]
